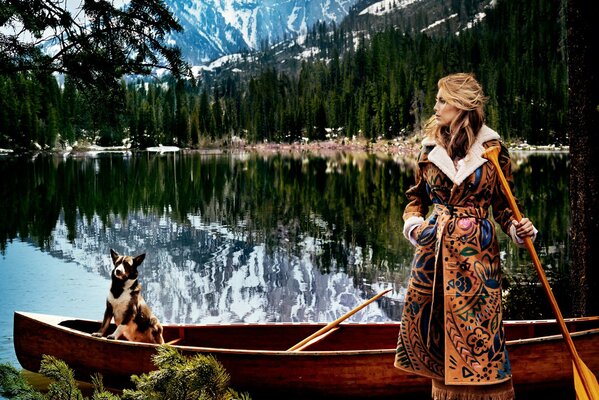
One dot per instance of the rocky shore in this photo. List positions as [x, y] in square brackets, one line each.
[397, 146]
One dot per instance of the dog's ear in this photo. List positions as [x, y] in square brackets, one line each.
[114, 255]
[139, 259]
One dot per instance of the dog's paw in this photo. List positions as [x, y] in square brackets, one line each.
[97, 334]
[111, 337]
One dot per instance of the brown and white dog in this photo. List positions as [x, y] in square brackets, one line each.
[134, 319]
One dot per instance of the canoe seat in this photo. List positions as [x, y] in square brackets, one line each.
[180, 338]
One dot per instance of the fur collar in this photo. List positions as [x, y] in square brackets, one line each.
[469, 164]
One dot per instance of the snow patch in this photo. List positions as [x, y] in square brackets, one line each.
[386, 6]
[308, 53]
[163, 149]
[477, 18]
[439, 22]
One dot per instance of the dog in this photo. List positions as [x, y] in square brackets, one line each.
[133, 318]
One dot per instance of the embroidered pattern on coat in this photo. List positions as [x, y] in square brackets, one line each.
[452, 319]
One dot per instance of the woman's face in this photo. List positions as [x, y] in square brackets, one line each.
[444, 112]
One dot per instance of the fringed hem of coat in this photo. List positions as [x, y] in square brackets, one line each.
[499, 391]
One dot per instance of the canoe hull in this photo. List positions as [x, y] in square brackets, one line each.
[272, 373]
[325, 371]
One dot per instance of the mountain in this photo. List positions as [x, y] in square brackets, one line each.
[214, 28]
[211, 274]
[325, 41]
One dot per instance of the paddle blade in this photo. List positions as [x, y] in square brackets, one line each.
[585, 383]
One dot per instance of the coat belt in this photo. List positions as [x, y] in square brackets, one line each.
[460, 212]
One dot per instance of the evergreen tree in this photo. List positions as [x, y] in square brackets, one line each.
[195, 125]
[182, 112]
[205, 116]
[217, 118]
[113, 42]
[69, 113]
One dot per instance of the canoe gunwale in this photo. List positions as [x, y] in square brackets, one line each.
[550, 338]
[54, 321]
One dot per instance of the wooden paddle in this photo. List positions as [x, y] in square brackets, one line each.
[333, 325]
[585, 383]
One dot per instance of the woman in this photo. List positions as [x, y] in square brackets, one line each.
[452, 326]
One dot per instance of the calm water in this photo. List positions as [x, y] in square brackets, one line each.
[238, 237]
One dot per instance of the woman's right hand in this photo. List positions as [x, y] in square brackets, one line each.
[524, 228]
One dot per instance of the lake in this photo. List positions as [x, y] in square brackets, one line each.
[242, 236]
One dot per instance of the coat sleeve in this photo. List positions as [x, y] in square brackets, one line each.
[418, 198]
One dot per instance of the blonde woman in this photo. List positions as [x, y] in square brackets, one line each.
[452, 327]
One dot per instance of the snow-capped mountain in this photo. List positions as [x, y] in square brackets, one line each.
[213, 28]
[211, 274]
[363, 20]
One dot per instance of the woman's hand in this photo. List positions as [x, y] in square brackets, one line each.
[524, 228]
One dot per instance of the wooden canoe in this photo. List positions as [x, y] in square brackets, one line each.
[354, 361]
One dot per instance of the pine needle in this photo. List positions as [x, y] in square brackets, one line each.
[182, 378]
[13, 385]
[64, 386]
[100, 393]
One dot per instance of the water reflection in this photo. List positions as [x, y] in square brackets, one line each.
[251, 237]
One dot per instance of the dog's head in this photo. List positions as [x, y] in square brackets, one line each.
[125, 267]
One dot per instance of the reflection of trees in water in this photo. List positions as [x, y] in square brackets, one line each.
[233, 230]
[542, 182]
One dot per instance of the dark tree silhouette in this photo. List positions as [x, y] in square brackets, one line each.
[95, 43]
[583, 122]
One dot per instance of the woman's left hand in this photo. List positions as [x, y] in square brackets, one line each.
[524, 228]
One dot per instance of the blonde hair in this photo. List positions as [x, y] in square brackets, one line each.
[463, 91]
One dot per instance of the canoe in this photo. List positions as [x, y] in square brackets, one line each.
[352, 362]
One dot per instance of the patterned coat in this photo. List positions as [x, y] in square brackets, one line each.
[452, 320]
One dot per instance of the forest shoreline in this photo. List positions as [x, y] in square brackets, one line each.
[407, 146]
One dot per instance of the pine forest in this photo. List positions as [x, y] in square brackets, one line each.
[382, 88]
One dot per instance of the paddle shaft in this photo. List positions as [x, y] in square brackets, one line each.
[333, 324]
[491, 155]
